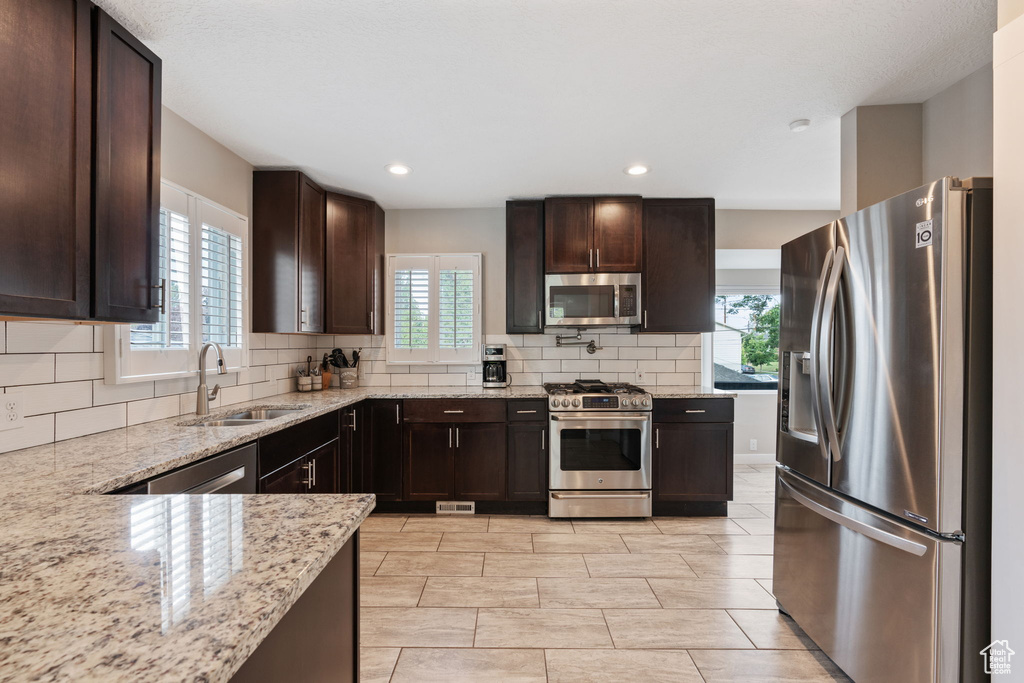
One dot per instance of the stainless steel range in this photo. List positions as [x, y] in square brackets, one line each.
[600, 456]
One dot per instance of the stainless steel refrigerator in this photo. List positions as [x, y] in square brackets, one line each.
[882, 498]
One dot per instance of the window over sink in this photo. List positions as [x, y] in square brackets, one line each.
[203, 264]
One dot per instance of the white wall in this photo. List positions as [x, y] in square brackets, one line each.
[1008, 330]
[751, 229]
[755, 419]
[957, 129]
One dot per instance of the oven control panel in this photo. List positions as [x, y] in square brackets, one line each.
[606, 402]
[602, 402]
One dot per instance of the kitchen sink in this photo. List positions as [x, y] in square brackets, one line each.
[227, 423]
[244, 418]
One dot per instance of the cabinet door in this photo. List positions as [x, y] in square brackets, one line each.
[45, 171]
[692, 461]
[311, 257]
[126, 224]
[524, 267]
[568, 232]
[429, 461]
[349, 265]
[678, 286]
[480, 461]
[382, 456]
[326, 462]
[349, 462]
[617, 243]
[527, 462]
[292, 478]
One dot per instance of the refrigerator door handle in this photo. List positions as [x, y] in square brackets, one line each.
[815, 359]
[855, 525]
[825, 333]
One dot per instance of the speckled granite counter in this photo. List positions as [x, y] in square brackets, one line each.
[133, 588]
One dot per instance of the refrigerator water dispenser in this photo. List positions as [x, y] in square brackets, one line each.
[795, 414]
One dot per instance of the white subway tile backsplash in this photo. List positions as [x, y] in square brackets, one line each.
[264, 356]
[675, 352]
[257, 340]
[677, 378]
[26, 368]
[655, 339]
[277, 341]
[448, 380]
[618, 340]
[687, 366]
[525, 379]
[89, 421]
[104, 394]
[49, 337]
[3, 337]
[385, 380]
[525, 353]
[656, 365]
[264, 389]
[560, 353]
[71, 367]
[410, 381]
[561, 376]
[618, 365]
[34, 431]
[229, 395]
[580, 366]
[152, 409]
[638, 353]
[53, 398]
[688, 340]
[97, 338]
[539, 340]
[542, 366]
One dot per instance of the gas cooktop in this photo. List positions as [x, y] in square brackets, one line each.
[593, 394]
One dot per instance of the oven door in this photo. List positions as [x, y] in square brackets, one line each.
[600, 452]
[592, 299]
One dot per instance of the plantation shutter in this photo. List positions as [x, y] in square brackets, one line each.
[412, 326]
[222, 296]
[458, 309]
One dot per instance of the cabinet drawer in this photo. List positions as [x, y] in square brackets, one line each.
[693, 409]
[528, 410]
[280, 448]
[455, 410]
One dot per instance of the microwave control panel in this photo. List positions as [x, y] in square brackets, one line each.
[627, 301]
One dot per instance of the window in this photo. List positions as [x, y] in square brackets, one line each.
[746, 341]
[434, 308]
[202, 258]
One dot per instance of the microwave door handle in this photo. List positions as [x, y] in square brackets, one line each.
[615, 297]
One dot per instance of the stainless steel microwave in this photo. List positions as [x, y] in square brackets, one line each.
[592, 299]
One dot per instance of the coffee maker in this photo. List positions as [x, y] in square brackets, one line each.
[495, 372]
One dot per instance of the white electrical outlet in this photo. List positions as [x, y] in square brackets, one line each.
[471, 376]
[641, 376]
[11, 411]
[753, 444]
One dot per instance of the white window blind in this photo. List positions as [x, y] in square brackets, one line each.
[434, 308]
[221, 263]
[171, 331]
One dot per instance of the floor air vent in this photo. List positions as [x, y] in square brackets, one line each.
[454, 507]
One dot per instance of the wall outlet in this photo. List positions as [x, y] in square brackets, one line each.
[471, 376]
[641, 377]
[11, 409]
[753, 444]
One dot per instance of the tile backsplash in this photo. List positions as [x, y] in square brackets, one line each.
[58, 369]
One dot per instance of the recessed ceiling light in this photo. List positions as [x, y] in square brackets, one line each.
[399, 169]
[800, 125]
[635, 169]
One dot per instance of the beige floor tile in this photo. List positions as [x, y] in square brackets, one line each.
[622, 593]
[542, 628]
[390, 591]
[653, 564]
[758, 527]
[744, 511]
[616, 526]
[758, 666]
[578, 543]
[416, 627]
[685, 544]
[429, 523]
[767, 585]
[431, 564]
[698, 525]
[759, 499]
[740, 469]
[534, 565]
[745, 545]
[767, 509]
[772, 630]
[475, 591]
[383, 523]
[387, 541]
[665, 629]
[368, 562]
[377, 663]
[461, 542]
[521, 524]
[450, 665]
[615, 666]
[712, 593]
[731, 566]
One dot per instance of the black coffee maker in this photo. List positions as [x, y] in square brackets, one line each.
[495, 371]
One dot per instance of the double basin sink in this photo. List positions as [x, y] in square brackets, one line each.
[248, 417]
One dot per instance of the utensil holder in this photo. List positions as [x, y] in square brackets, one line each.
[327, 379]
[349, 378]
[305, 384]
[318, 382]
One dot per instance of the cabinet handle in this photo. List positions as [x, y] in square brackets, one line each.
[590, 263]
[525, 412]
[540, 319]
[598, 258]
[449, 437]
[696, 411]
[309, 476]
[454, 412]
[657, 438]
[314, 473]
[398, 419]
[544, 440]
[302, 316]
[353, 419]
[456, 437]
[645, 318]
[369, 320]
[163, 295]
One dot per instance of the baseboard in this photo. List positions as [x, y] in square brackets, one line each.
[753, 458]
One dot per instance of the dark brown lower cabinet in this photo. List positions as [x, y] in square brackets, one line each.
[429, 461]
[480, 461]
[325, 465]
[350, 455]
[692, 461]
[288, 479]
[527, 462]
[382, 448]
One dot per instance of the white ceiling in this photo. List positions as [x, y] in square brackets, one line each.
[491, 99]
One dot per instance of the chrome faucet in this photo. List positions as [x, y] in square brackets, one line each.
[202, 397]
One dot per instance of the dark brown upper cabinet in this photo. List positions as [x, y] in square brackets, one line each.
[287, 252]
[61, 59]
[524, 267]
[678, 285]
[355, 266]
[126, 268]
[592, 234]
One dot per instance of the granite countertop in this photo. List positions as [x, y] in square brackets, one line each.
[97, 587]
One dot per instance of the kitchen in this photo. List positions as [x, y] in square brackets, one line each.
[665, 566]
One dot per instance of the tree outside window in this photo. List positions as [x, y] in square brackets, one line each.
[746, 341]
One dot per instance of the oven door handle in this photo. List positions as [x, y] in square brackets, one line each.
[639, 495]
[587, 418]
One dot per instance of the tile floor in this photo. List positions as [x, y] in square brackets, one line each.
[503, 598]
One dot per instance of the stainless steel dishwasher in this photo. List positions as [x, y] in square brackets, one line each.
[231, 472]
